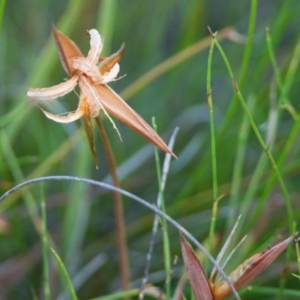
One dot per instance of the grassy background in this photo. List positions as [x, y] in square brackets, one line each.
[80, 218]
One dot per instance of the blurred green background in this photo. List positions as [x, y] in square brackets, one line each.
[80, 217]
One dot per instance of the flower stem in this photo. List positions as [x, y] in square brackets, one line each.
[118, 205]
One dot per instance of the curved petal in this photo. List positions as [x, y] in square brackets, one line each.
[115, 105]
[66, 49]
[108, 62]
[54, 91]
[96, 46]
[71, 117]
[111, 75]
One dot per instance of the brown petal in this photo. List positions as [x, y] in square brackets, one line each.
[116, 106]
[53, 92]
[251, 268]
[66, 49]
[198, 280]
[110, 61]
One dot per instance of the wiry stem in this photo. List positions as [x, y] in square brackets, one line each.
[118, 205]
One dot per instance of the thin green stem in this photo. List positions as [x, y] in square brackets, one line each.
[244, 69]
[166, 241]
[106, 22]
[45, 245]
[18, 176]
[284, 98]
[120, 295]
[118, 206]
[213, 148]
[293, 133]
[46, 165]
[212, 123]
[261, 141]
[65, 274]
[249, 42]
[238, 167]
[297, 249]
[2, 6]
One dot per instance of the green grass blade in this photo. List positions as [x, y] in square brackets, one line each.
[65, 274]
[166, 242]
[106, 23]
[120, 295]
[45, 246]
[238, 169]
[2, 6]
[261, 141]
[213, 148]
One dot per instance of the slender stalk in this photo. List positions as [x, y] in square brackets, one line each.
[64, 272]
[213, 148]
[118, 206]
[46, 165]
[291, 138]
[245, 64]
[238, 168]
[166, 241]
[18, 176]
[106, 22]
[165, 172]
[297, 250]
[120, 295]
[284, 98]
[249, 42]
[45, 244]
[261, 141]
[2, 6]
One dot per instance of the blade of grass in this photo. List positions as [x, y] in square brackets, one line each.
[46, 165]
[253, 291]
[213, 150]
[18, 176]
[45, 246]
[297, 249]
[65, 274]
[2, 6]
[120, 295]
[261, 141]
[76, 214]
[244, 69]
[284, 98]
[106, 23]
[238, 167]
[292, 135]
[165, 172]
[166, 242]
[234, 101]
